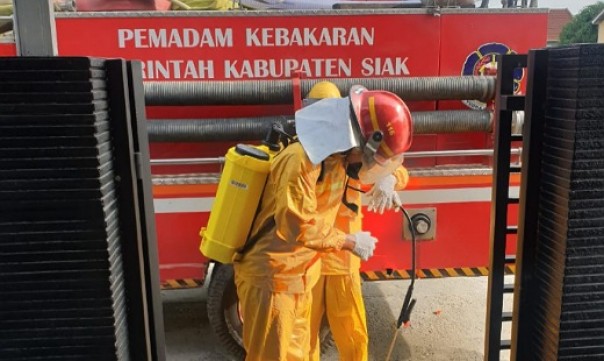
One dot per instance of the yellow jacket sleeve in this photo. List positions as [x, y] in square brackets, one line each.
[296, 215]
[402, 178]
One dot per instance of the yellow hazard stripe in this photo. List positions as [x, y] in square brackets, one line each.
[436, 273]
[468, 271]
[182, 283]
[431, 273]
[185, 283]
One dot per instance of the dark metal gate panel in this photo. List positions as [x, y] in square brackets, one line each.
[506, 102]
[528, 210]
[66, 293]
[560, 313]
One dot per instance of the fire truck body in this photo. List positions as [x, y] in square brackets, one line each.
[453, 189]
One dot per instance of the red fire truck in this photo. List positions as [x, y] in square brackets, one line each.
[214, 66]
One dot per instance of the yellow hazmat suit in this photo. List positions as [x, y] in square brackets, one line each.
[276, 277]
[338, 291]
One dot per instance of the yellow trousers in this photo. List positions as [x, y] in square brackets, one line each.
[277, 324]
[340, 298]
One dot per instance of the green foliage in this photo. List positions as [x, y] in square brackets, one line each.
[580, 29]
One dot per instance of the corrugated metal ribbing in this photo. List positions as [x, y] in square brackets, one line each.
[569, 320]
[61, 277]
[253, 92]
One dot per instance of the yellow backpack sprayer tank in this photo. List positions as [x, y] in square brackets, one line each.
[239, 193]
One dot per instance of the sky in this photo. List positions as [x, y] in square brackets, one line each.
[573, 5]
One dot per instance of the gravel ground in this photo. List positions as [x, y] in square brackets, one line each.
[447, 322]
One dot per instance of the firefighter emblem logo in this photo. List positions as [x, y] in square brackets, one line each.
[483, 62]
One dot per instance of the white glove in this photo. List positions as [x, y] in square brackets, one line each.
[383, 196]
[364, 245]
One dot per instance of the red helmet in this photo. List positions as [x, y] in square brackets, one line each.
[385, 112]
[386, 130]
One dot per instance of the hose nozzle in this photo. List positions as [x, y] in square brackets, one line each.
[408, 304]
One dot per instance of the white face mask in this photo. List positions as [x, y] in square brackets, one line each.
[372, 171]
[324, 128]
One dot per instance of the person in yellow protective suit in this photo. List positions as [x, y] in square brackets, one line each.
[362, 136]
[337, 294]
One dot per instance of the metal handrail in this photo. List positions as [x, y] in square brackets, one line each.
[187, 161]
[457, 153]
[418, 154]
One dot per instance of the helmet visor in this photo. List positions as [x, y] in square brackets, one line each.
[377, 167]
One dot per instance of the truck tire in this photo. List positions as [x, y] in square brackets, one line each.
[223, 310]
[225, 320]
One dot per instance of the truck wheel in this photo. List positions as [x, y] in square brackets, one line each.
[223, 310]
[224, 316]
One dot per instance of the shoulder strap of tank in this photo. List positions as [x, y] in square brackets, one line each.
[322, 173]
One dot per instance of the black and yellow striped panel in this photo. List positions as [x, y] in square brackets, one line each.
[181, 284]
[185, 283]
[431, 273]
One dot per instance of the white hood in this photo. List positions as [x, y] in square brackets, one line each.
[324, 128]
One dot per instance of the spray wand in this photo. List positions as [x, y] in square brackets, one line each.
[408, 304]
